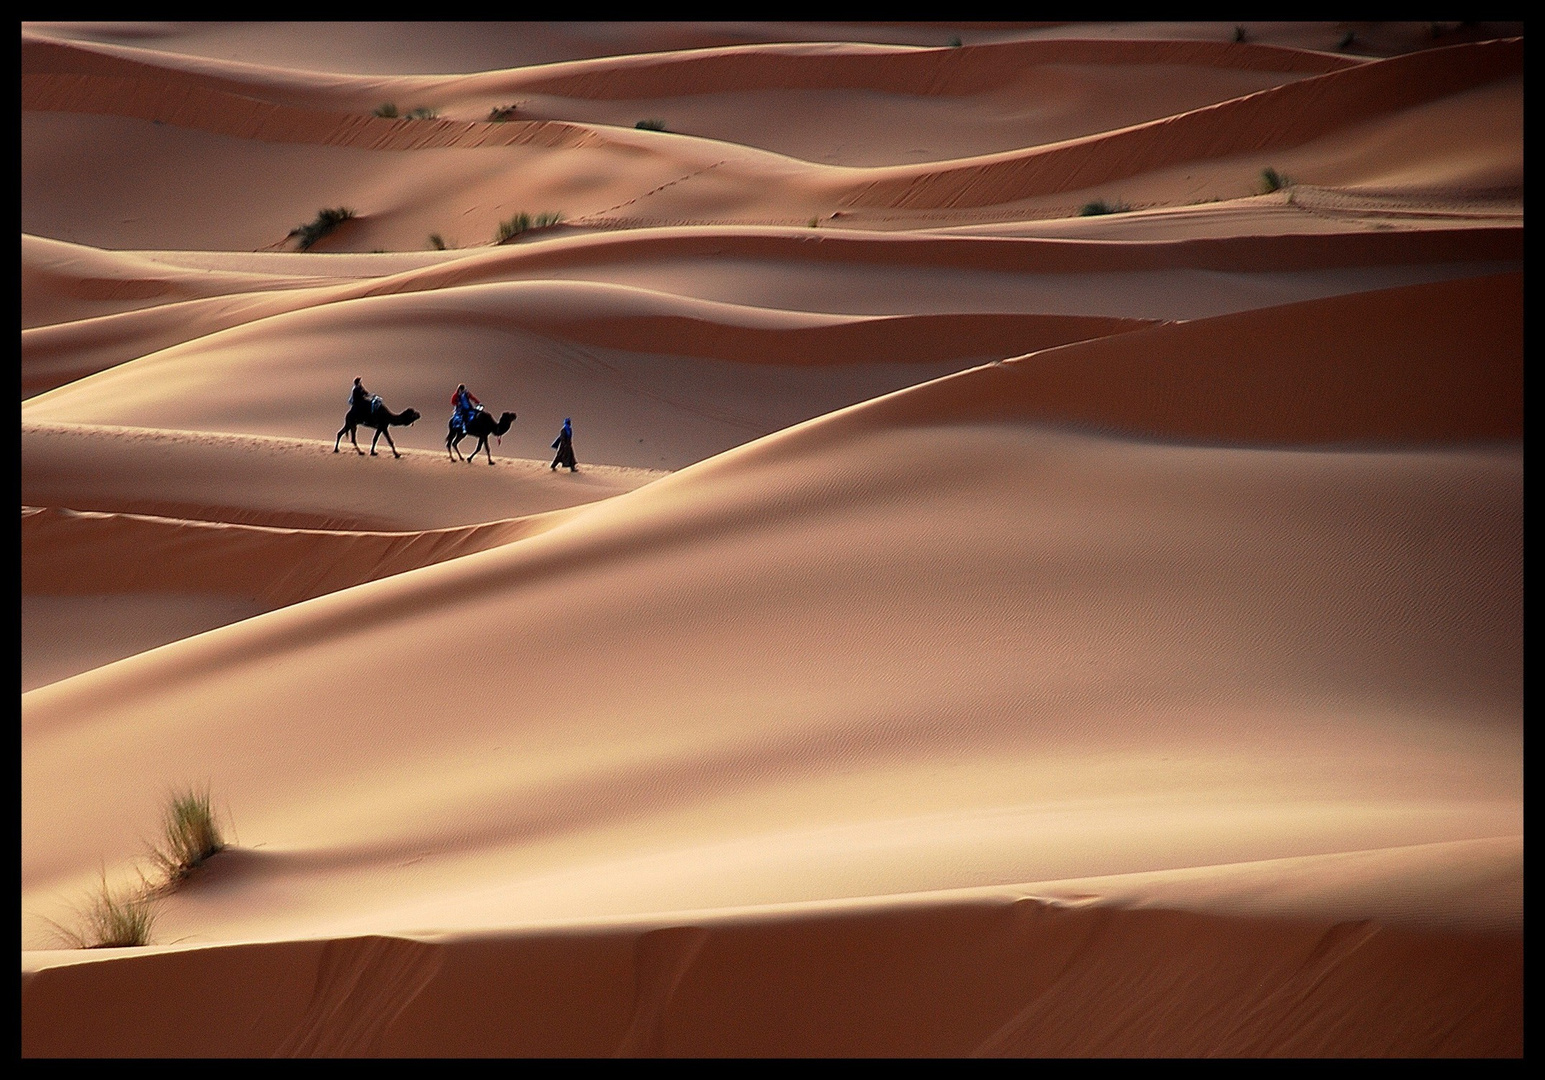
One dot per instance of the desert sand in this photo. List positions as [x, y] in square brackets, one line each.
[1043, 575]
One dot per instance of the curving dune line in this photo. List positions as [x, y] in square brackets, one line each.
[896, 69]
[1428, 363]
[263, 104]
[592, 313]
[223, 113]
[77, 553]
[941, 72]
[989, 978]
[57, 354]
[1281, 251]
[61, 282]
[1279, 118]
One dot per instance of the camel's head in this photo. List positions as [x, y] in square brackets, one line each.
[410, 415]
[507, 418]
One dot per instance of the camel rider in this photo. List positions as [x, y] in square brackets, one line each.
[359, 397]
[465, 406]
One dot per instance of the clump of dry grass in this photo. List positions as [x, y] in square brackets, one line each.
[189, 835]
[524, 222]
[116, 918]
[1272, 180]
[111, 918]
[325, 222]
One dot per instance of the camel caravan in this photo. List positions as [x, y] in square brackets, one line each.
[468, 417]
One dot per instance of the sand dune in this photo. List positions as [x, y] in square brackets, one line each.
[974, 627]
[1004, 279]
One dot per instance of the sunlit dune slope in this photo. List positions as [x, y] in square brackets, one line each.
[652, 380]
[290, 483]
[1000, 597]
[1031, 292]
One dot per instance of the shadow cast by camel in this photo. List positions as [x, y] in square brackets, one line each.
[481, 425]
[380, 418]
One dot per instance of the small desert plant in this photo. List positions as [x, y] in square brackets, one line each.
[1348, 41]
[325, 222]
[650, 125]
[1239, 33]
[955, 42]
[437, 241]
[111, 919]
[1100, 206]
[1272, 180]
[387, 111]
[189, 835]
[514, 227]
[422, 114]
[815, 222]
[524, 222]
[500, 113]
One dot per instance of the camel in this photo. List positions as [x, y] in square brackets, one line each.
[482, 425]
[381, 418]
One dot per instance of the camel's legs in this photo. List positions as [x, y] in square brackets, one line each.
[388, 434]
[339, 437]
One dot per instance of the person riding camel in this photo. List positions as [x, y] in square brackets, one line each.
[465, 405]
[360, 398]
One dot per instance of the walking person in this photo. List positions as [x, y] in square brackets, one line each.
[564, 444]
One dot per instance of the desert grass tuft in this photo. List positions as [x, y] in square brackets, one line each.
[189, 835]
[1239, 33]
[423, 114]
[650, 125]
[111, 919]
[437, 241]
[1100, 206]
[387, 111]
[325, 222]
[524, 222]
[500, 113]
[1348, 41]
[1272, 180]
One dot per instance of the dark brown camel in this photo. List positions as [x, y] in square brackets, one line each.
[482, 425]
[380, 419]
